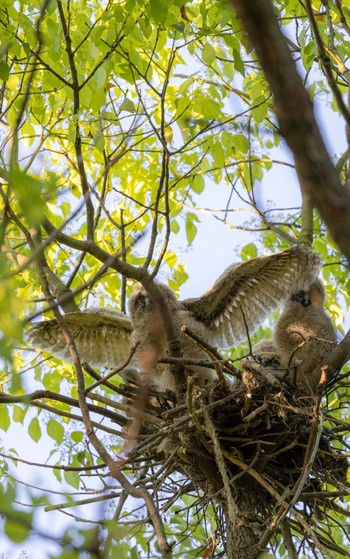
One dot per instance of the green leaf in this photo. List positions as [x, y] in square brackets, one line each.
[171, 259]
[240, 142]
[227, 139]
[57, 473]
[208, 54]
[34, 429]
[72, 479]
[118, 14]
[321, 246]
[238, 62]
[191, 228]
[128, 105]
[55, 430]
[159, 10]
[18, 414]
[51, 381]
[259, 112]
[100, 77]
[98, 99]
[83, 458]
[52, 27]
[218, 154]
[174, 226]
[17, 530]
[29, 193]
[249, 251]
[210, 108]
[99, 142]
[5, 420]
[134, 553]
[4, 71]
[77, 436]
[86, 96]
[180, 275]
[198, 184]
[27, 134]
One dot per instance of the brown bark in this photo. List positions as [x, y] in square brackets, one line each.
[244, 530]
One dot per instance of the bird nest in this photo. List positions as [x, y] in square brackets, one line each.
[253, 437]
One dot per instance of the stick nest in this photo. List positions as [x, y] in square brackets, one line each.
[255, 435]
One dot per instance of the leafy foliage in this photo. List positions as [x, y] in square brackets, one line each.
[123, 124]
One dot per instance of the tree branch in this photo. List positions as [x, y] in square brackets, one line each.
[76, 110]
[297, 122]
[337, 358]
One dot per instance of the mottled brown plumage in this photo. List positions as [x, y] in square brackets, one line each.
[149, 334]
[265, 352]
[228, 312]
[304, 334]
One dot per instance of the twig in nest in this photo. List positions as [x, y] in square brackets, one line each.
[258, 369]
[219, 458]
[310, 454]
[288, 540]
[191, 382]
[254, 413]
[262, 481]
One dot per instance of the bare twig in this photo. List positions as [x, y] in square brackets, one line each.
[326, 64]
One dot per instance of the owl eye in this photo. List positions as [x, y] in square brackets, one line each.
[302, 297]
[140, 301]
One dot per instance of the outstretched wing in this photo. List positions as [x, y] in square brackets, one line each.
[102, 336]
[246, 293]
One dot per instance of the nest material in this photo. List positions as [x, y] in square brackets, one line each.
[253, 436]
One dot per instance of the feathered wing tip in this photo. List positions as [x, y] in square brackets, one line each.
[246, 293]
[102, 337]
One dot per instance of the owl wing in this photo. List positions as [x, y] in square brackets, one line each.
[246, 293]
[102, 336]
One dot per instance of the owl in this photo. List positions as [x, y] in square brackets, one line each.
[304, 334]
[227, 313]
[265, 352]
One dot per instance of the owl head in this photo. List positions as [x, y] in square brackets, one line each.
[141, 304]
[314, 296]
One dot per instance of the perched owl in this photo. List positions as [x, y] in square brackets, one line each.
[304, 334]
[265, 352]
[227, 313]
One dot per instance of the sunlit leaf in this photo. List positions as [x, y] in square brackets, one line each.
[29, 190]
[55, 430]
[208, 54]
[18, 414]
[5, 420]
[72, 479]
[34, 429]
[249, 251]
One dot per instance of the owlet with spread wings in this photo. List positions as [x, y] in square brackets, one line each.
[241, 298]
